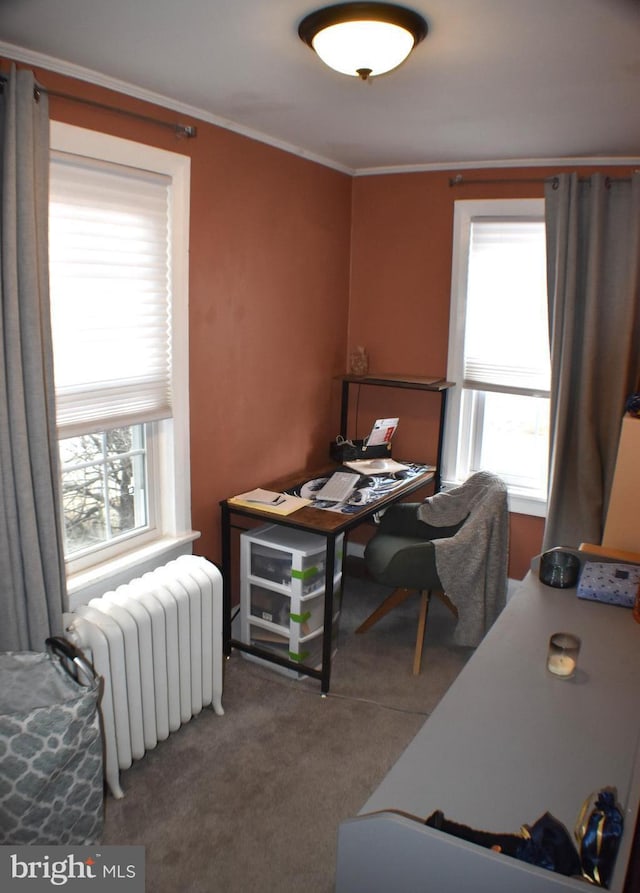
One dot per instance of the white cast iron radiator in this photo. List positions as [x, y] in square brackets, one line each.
[157, 642]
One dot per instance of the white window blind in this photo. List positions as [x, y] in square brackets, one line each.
[110, 287]
[506, 344]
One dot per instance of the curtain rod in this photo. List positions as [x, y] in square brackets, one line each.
[186, 130]
[459, 180]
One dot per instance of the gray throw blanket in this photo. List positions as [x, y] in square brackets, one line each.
[472, 565]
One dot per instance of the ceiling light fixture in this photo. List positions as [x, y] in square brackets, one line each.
[363, 39]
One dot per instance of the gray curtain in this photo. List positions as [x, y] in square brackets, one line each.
[32, 582]
[593, 258]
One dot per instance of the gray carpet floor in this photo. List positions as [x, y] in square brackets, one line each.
[252, 800]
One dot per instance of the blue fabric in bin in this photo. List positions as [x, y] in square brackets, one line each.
[615, 584]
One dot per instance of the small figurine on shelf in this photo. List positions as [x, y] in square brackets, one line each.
[359, 361]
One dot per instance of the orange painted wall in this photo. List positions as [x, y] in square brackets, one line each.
[270, 249]
[291, 265]
[269, 294]
[402, 240]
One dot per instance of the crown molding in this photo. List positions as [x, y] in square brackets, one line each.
[577, 161]
[70, 69]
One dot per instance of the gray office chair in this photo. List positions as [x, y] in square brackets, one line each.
[455, 544]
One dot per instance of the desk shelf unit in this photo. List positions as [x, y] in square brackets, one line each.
[328, 530]
[405, 382]
[282, 594]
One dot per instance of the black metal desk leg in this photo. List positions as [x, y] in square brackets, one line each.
[226, 580]
[327, 641]
[443, 412]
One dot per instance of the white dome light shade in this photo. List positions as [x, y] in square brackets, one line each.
[363, 39]
[354, 47]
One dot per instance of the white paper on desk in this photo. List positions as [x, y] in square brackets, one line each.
[261, 497]
[382, 431]
[269, 501]
[376, 466]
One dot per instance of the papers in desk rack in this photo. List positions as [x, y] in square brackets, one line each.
[382, 431]
[269, 501]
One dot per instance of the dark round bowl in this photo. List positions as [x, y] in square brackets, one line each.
[559, 569]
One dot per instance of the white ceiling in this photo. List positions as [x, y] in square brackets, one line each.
[494, 81]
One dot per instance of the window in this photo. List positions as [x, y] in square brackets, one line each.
[498, 415]
[104, 488]
[118, 247]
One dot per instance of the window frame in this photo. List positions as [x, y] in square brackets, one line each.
[167, 439]
[114, 546]
[464, 212]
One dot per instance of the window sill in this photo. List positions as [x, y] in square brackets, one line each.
[518, 503]
[85, 585]
[527, 505]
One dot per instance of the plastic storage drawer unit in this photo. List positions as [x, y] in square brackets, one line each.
[282, 598]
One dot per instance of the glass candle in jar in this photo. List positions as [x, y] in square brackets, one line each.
[562, 656]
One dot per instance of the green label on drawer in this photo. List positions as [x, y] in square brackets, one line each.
[299, 657]
[306, 573]
[300, 618]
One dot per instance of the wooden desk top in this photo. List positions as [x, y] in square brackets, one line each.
[321, 520]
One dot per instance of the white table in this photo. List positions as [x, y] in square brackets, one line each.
[506, 744]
